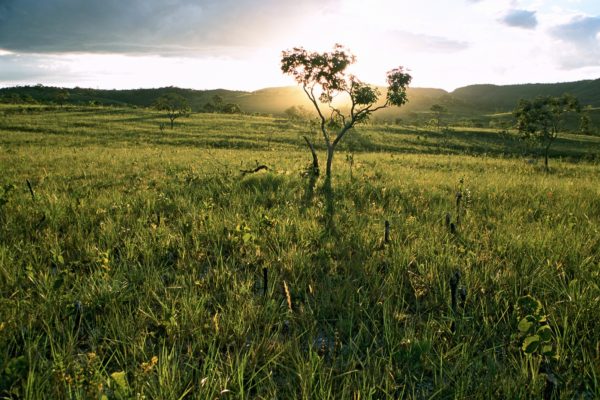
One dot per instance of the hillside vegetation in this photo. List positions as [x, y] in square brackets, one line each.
[503, 98]
[133, 261]
[467, 101]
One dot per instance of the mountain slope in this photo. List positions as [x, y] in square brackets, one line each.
[468, 100]
[504, 98]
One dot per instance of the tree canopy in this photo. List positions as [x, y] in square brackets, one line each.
[174, 104]
[323, 77]
[541, 119]
[438, 110]
[218, 105]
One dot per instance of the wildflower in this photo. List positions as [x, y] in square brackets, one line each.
[147, 367]
[67, 378]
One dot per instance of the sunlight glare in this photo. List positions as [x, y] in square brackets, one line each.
[120, 71]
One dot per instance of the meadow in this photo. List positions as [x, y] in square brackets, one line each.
[133, 261]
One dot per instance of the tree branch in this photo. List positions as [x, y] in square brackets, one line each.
[343, 131]
[338, 113]
[355, 117]
[386, 105]
[315, 167]
[349, 91]
[311, 96]
[252, 171]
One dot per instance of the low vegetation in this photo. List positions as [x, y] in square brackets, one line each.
[140, 263]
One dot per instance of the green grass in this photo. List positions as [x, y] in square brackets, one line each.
[135, 269]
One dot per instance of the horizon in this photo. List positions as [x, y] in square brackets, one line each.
[205, 44]
[281, 87]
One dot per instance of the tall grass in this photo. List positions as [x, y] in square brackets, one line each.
[136, 269]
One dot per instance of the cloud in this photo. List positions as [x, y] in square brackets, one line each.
[520, 19]
[581, 40]
[30, 68]
[582, 30]
[425, 43]
[146, 26]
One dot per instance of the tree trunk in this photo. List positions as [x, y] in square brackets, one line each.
[328, 187]
[546, 151]
[330, 150]
[172, 120]
[315, 167]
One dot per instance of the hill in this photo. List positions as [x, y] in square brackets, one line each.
[467, 101]
[504, 98]
[134, 97]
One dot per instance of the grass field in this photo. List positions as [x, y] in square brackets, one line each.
[132, 261]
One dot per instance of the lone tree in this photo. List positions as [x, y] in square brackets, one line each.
[175, 105]
[61, 97]
[438, 111]
[541, 119]
[323, 76]
[585, 121]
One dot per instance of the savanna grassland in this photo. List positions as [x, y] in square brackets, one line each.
[132, 261]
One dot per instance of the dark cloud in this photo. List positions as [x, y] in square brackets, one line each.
[146, 26]
[582, 37]
[426, 43]
[520, 19]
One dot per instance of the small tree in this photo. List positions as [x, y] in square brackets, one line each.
[61, 97]
[438, 111]
[209, 107]
[175, 105]
[323, 76]
[217, 102]
[297, 113]
[218, 105]
[541, 119]
[231, 108]
[585, 121]
[215, 105]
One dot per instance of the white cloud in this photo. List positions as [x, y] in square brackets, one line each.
[579, 40]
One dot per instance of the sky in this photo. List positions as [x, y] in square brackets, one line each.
[237, 44]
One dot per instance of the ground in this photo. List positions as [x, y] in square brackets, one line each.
[132, 261]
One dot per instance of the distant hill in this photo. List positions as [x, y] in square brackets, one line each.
[277, 100]
[134, 97]
[504, 98]
[466, 101]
